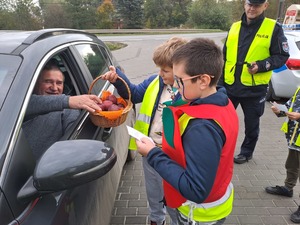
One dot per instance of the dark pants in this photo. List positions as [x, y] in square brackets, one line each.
[253, 109]
[292, 168]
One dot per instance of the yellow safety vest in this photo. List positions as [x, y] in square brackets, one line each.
[259, 50]
[284, 126]
[143, 120]
[206, 212]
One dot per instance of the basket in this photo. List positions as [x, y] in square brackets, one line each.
[111, 118]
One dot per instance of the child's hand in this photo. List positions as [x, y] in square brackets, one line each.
[144, 146]
[275, 109]
[111, 75]
[293, 115]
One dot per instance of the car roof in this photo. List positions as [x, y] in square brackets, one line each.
[12, 40]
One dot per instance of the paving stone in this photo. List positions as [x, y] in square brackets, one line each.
[263, 203]
[273, 220]
[256, 211]
[136, 220]
[247, 220]
[279, 211]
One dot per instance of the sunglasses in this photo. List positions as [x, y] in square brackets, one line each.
[179, 81]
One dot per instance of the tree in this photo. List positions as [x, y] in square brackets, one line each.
[166, 13]
[6, 16]
[105, 15]
[210, 15]
[131, 11]
[81, 13]
[179, 12]
[55, 16]
[156, 15]
[20, 15]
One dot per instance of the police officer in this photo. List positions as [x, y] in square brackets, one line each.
[254, 47]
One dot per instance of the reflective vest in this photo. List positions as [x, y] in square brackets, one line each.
[219, 202]
[284, 126]
[258, 50]
[144, 117]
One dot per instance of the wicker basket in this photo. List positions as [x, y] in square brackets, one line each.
[111, 118]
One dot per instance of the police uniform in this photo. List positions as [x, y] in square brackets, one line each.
[262, 41]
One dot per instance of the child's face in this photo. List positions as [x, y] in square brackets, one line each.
[166, 74]
[183, 83]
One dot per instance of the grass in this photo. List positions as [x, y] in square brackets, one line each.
[112, 45]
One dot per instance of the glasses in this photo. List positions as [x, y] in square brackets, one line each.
[179, 81]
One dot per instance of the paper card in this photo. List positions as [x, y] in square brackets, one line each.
[136, 134]
[281, 107]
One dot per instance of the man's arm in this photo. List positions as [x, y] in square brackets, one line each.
[42, 104]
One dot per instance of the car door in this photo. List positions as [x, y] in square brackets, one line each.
[96, 61]
[89, 203]
[86, 62]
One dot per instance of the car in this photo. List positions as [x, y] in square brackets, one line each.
[76, 180]
[286, 80]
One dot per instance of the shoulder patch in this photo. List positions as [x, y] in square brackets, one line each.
[285, 46]
[268, 65]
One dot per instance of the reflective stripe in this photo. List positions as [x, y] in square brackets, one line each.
[220, 207]
[144, 118]
[215, 203]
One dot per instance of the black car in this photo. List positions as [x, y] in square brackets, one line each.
[76, 179]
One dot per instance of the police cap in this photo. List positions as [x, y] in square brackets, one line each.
[256, 2]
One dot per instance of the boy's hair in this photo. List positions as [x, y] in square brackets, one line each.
[200, 56]
[163, 53]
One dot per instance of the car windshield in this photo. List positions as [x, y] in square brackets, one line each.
[8, 67]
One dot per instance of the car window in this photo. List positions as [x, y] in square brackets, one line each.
[8, 68]
[96, 60]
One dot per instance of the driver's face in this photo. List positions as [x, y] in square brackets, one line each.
[50, 82]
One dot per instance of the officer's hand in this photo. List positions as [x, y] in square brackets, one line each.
[253, 68]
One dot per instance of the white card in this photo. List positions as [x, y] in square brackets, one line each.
[281, 107]
[136, 134]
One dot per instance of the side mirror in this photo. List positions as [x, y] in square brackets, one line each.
[67, 164]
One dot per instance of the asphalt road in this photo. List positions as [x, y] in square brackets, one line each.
[252, 205]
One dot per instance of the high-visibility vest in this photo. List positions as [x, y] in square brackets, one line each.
[259, 50]
[284, 126]
[220, 200]
[143, 120]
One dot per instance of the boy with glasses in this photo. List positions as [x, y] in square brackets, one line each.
[199, 139]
